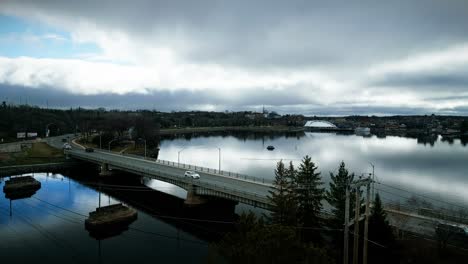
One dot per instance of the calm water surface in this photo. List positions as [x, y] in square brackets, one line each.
[49, 228]
[433, 168]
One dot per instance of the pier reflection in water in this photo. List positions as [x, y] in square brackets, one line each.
[50, 224]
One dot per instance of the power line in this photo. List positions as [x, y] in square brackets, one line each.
[422, 195]
[373, 242]
[130, 228]
[399, 195]
[48, 235]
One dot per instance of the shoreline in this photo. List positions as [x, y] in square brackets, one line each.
[172, 131]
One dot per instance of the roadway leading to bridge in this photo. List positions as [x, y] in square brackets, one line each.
[174, 170]
[232, 183]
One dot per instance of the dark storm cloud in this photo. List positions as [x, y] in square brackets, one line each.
[163, 100]
[337, 40]
[273, 33]
[435, 81]
[183, 100]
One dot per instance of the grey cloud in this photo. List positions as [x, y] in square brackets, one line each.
[337, 36]
[187, 100]
[273, 33]
[432, 81]
[163, 100]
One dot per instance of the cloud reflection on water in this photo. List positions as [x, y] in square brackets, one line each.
[439, 170]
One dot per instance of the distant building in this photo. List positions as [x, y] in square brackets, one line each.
[320, 125]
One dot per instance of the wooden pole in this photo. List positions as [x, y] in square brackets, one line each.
[356, 228]
[346, 228]
[366, 225]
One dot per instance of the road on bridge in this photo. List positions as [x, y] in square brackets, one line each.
[212, 177]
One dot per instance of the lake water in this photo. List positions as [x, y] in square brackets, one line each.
[429, 168]
[49, 227]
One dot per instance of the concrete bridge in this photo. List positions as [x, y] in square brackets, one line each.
[212, 183]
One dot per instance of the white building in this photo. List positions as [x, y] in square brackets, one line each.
[320, 125]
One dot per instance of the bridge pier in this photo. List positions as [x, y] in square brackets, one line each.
[192, 198]
[105, 170]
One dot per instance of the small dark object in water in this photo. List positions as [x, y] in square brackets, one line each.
[111, 215]
[270, 148]
[21, 183]
[21, 187]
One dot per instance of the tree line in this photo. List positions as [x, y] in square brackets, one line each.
[297, 229]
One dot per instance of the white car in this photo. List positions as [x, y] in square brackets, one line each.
[67, 146]
[192, 174]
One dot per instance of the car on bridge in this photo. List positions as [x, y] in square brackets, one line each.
[67, 146]
[192, 174]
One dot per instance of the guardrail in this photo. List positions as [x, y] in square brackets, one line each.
[460, 217]
[206, 188]
[233, 175]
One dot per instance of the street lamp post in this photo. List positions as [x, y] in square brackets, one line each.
[373, 179]
[141, 139]
[110, 142]
[100, 141]
[219, 158]
[178, 155]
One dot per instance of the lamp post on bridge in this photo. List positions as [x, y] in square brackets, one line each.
[373, 180]
[178, 155]
[141, 139]
[219, 158]
[110, 142]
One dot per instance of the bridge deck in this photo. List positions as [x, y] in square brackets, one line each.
[228, 185]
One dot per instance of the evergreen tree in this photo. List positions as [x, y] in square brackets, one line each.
[291, 178]
[254, 242]
[336, 195]
[381, 233]
[279, 196]
[309, 195]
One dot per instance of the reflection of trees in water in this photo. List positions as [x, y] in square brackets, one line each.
[242, 135]
[464, 140]
[424, 139]
[448, 139]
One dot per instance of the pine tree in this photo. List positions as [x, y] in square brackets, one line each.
[336, 195]
[309, 195]
[291, 178]
[380, 232]
[279, 196]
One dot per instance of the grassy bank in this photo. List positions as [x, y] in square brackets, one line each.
[39, 153]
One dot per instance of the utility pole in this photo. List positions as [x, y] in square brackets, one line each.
[355, 186]
[356, 227]
[373, 179]
[346, 227]
[366, 225]
[219, 159]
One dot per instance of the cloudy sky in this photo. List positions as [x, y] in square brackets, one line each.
[312, 57]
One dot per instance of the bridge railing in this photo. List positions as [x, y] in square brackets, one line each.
[457, 216]
[199, 168]
[241, 194]
[229, 174]
[181, 178]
